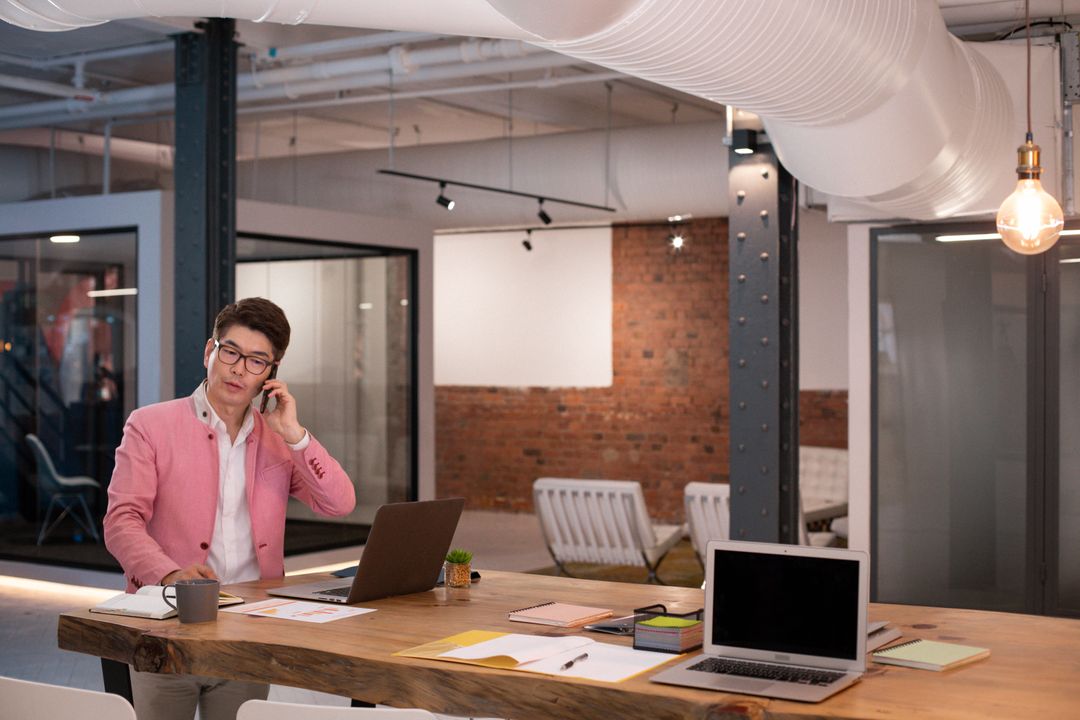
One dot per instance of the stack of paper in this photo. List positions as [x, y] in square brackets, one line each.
[569, 656]
[669, 634]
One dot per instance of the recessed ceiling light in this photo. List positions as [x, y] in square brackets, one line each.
[63, 239]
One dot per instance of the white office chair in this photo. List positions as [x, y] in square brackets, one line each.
[26, 700]
[264, 710]
[708, 514]
[816, 539]
[601, 521]
[823, 473]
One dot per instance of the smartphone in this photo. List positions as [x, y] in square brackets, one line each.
[266, 393]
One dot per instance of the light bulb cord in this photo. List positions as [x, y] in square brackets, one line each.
[1027, 32]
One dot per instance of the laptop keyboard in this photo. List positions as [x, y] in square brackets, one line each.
[336, 592]
[778, 673]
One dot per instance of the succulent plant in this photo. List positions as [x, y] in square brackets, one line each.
[457, 555]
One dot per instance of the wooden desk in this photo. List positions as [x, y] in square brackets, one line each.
[1034, 668]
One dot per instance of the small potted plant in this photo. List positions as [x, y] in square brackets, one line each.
[458, 569]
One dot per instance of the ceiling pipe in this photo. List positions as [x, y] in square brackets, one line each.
[44, 87]
[343, 45]
[155, 99]
[90, 144]
[541, 84]
[960, 13]
[273, 84]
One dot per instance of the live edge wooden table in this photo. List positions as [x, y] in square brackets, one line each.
[1033, 669]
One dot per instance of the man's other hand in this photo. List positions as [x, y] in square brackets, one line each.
[191, 572]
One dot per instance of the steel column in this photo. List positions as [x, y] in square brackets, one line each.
[763, 345]
[205, 176]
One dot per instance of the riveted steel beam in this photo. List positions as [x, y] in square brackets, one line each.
[763, 349]
[205, 178]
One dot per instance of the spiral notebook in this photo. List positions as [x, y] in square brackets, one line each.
[559, 614]
[930, 655]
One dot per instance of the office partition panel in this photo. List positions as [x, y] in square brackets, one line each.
[951, 491]
[351, 360]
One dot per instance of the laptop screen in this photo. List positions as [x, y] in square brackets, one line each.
[785, 603]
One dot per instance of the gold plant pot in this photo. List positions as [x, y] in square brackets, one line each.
[458, 575]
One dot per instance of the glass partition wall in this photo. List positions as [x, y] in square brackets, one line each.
[350, 362]
[67, 375]
[970, 507]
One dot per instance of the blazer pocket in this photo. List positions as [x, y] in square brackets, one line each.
[277, 475]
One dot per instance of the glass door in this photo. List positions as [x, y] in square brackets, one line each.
[67, 375]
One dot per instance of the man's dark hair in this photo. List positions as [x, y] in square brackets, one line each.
[257, 314]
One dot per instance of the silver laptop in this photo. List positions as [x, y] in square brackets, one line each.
[403, 554]
[783, 621]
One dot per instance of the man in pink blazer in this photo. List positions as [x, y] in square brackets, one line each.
[201, 486]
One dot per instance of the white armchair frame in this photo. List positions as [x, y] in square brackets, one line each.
[708, 514]
[601, 521]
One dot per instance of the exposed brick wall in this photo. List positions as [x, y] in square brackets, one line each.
[823, 418]
[663, 421]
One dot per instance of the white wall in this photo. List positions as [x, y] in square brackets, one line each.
[509, 317]
[823, 303]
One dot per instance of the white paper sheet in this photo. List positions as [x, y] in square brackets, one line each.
[298, 610]
[523, 648]
[606, 662]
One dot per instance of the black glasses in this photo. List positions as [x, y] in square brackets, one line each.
[230, 356]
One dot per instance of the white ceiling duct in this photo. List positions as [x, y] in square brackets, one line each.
[874, 102]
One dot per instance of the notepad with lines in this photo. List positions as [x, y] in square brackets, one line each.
[559, 614]
[929, 655]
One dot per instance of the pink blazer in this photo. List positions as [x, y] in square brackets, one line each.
[163, 495]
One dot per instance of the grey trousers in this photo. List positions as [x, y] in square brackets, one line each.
[175, 697]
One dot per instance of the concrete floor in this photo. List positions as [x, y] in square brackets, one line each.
[32, 596]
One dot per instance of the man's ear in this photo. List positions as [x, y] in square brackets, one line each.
[206, 352]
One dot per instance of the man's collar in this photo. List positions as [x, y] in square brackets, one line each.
[205, 411]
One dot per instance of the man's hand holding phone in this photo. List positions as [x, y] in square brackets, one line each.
[282, 419]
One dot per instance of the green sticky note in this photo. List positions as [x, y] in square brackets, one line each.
[669, 622]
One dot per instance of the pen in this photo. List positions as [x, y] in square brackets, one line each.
[570, 663]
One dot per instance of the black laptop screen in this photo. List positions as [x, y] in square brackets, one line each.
[786, 603]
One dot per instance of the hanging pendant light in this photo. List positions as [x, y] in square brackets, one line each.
[1030, 219]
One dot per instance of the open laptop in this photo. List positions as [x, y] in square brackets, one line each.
[783, 621]
[403, 554]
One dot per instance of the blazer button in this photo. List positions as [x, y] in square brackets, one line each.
[211, 436]
[204, 546]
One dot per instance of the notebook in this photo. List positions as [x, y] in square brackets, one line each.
[559, 614]
[147, 603]
[403, 554]
[783, 621]
[930, 655]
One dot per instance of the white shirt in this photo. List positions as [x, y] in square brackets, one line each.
[232, 547]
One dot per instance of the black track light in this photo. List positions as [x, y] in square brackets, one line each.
[527, 242]
[542, 214]
[442, 199]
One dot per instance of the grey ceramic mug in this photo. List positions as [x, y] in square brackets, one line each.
[196, 600]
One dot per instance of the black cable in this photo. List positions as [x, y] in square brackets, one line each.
[1037, 23]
